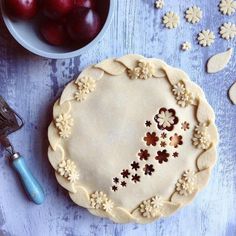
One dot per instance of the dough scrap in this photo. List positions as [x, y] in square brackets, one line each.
[219, 61]
[232, 93]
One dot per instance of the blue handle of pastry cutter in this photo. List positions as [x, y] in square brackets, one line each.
[30, 184]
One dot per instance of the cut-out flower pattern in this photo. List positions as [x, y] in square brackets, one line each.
[163, 135]
[206, 38]
[148, 123]
[185, 126]
[114, 188]
[135, 165]
[152, 207]
[99, 200]
[162, 156]
[159, 4]
[228, 31]
[227, 7]
[116, 180]
[166, 119]
[193, 14]
[163, 144]
[68, 170]
[148, 169]
[123, 184]
[201, 138]
[151, 139]
[187, 183]
[170, 20]
[182, 95]
[86, 84]
[125, 173]
[176, 140]
[144, 70]
[135, 178]
[143, 155]
[175, 154]
[64, 124]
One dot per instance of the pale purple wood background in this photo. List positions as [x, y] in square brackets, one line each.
[31, 85]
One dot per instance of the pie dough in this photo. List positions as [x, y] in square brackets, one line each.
[132, 139]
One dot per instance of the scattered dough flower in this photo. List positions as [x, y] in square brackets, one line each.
[227, 7]
[206, 38]
[228, 31]
[171, 20]
[157, 202]
[186, 46]
[86, 84]
[144, 70]
[159, 4]
[193, 14]
[64, 123]
[97, 199]
[186, 184]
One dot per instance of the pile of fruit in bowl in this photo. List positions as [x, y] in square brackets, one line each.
[72, 23]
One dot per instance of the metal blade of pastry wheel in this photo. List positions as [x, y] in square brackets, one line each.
[10, 122]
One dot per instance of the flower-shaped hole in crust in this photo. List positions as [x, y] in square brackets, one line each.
[143, 154]
[176, 140]
[151, 139]
[166, 119]
[162, 156]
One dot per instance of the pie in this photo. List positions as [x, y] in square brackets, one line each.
[132, 139]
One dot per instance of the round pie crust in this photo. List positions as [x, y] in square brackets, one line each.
[132, 139]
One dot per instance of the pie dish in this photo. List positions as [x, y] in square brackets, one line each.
[132, 139]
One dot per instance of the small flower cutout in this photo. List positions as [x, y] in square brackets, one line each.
[151, 139]
[64, 124]
[206, 38]
[171, 20]
[193, 14]
[159, 4]
[201, 138]
[228, 31]
[227, 7]
[186, 46]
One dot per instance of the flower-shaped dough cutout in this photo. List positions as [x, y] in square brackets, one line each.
[159, 4]
[170, 20]
[186, 46]
[227, 7]
[97, 199]
[108, 206]
[206, 38]
[64, 124]
[68, 170]
[193, 14]
[187, 183]
[80, 95]
[86, 84]
[228, 31]
[179, 89]
[166, 119]
[143, 155]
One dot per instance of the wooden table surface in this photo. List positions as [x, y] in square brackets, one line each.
[31, 85]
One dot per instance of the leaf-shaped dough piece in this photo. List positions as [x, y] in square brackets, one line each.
[219, 61]
[81, 197]
[232, 93]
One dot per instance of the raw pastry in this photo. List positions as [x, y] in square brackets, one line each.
[232, 93]
[186, 46]
[171, 20]
[219, 61]
[193, 14]
[139, 145]
[227, 7]
[159, 4]
[228, 31]
[206, 38]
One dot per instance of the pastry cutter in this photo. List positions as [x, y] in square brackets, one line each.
[10, 122]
